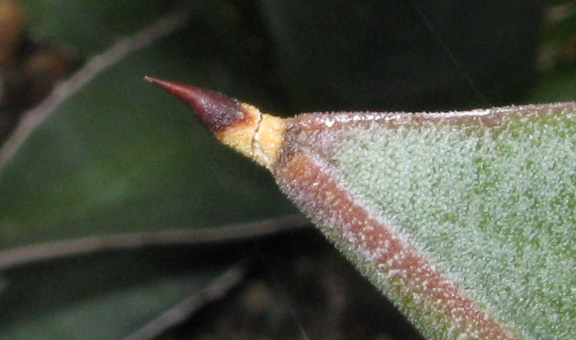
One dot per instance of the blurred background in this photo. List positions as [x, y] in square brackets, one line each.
[121, 218]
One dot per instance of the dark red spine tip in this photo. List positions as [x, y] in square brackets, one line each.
[214, 109]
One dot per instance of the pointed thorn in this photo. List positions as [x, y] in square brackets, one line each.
[241, 126]
[214, 109]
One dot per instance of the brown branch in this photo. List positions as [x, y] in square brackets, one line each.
[94, 66]
[180, 311]
[26, 254]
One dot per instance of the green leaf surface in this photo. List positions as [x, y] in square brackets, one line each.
[119, 156]
[484, 199]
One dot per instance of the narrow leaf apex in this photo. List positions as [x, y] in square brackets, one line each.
[257, 135]
[214, 109]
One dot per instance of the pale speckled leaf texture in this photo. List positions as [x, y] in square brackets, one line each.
[116, 159]
[463, 219]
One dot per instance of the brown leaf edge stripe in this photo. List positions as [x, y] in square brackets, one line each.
[396, 268]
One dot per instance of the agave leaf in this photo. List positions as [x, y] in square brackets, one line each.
[124, 177]
[463, 219]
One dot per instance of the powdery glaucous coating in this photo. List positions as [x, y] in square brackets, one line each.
[463, 219]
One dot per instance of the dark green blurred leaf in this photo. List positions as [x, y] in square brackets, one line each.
[557, 86]
[89, 26]
[403, 55]
[119, 156]
[122, 156]
[108, 295]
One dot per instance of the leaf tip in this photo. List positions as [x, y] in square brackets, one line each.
[215, 110]
[241, 126]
